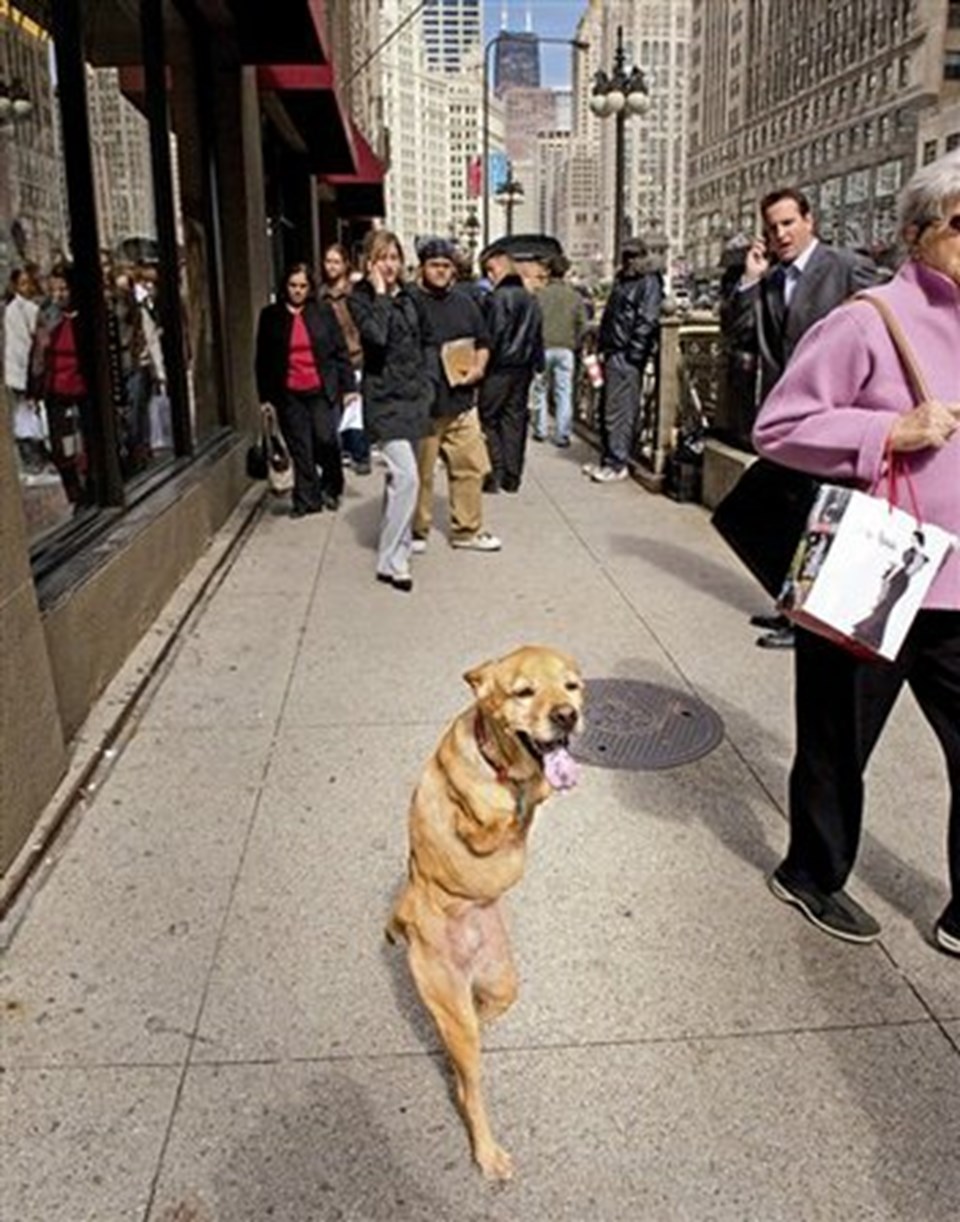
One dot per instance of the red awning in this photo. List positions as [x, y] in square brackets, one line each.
[308, 95]
[360, 193]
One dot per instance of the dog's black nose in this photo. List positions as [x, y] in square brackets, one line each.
[564, 717]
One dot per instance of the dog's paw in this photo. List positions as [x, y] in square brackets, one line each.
[495, 1163]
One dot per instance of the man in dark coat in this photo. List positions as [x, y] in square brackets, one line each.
[790, 281]
[515, 326]
[629, 331]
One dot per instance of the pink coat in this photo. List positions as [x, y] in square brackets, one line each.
[831, 411]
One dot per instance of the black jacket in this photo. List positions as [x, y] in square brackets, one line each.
[452, 315]
[630, 324]
[516, 327]
[398, 353]
[329, 351]
[756, 320]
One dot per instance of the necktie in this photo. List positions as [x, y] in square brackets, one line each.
[791, 275]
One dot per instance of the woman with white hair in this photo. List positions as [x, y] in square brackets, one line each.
[842, 406]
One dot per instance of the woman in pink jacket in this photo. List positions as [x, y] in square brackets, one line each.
[842, 401]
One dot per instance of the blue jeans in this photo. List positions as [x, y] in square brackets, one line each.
[557, 376]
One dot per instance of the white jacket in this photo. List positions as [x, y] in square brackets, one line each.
[19, 327]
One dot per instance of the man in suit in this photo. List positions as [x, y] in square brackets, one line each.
[790, 281]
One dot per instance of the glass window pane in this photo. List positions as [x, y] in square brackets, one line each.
[191, 192]
[126, 219]
[47, 387]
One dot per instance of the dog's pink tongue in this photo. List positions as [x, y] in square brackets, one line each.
[560, 768]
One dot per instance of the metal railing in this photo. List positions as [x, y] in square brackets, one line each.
[679, 395]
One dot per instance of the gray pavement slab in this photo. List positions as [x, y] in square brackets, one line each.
[208, 949]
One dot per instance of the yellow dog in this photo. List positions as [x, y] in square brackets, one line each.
[469, 820]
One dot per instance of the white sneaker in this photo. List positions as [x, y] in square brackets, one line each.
[609, 475]
[482, 542]
[418, 547]
[589, 468]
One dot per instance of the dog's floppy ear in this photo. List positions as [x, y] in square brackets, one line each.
[481, 679]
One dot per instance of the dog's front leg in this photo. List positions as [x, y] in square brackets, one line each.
[446, 992]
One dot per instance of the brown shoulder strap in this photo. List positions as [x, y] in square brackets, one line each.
[918, 383]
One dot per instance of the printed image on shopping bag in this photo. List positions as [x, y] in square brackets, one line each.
[894, 584]
[862, 571]
[814, 546]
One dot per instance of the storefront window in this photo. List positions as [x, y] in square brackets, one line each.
[133, 272]
[191, 193]
[110, 375]
[47, 385]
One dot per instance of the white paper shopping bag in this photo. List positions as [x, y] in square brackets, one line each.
[861, 571]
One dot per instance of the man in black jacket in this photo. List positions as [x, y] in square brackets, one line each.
[516, 353]
[629, 331]
[456, 323]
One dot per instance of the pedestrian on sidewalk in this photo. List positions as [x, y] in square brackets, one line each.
[398, 392]
[458, 329]
[21, 316]
[628, 338]
[336, 288]
[59, 376]
[564, 323]
[843, 403]
[303, 370]
[516, 353]
[790, 280]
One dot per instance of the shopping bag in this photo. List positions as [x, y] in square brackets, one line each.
[762, 516]
[352, 417]
[862, 569]
[161, 424]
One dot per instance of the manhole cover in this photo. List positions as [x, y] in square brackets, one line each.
[629, 724]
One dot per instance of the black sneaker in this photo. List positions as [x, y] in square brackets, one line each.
[947, 932]
[770, 623]
[832, 911]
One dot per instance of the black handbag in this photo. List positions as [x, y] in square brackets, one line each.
[257, 461]
[268, 458]
[762, 518]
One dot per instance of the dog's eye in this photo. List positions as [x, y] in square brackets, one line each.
[573, 686]
[524, 693]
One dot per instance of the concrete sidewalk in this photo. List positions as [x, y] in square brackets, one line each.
[202, 1020]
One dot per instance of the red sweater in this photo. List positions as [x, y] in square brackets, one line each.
[302, 372]
[64, 375]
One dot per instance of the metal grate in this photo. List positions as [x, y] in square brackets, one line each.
[642, 726]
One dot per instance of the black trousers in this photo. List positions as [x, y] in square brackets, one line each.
[309, 426]
[619, 410]
[842, 705]
[504, 414]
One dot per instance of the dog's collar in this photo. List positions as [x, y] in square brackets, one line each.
[483, 741]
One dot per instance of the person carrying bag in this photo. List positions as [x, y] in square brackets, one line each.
[843, 411]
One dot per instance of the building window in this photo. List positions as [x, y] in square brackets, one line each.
[951, 66]
[952, 142]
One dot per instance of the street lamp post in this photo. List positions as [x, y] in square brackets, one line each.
[471, 227]
[509, 195]
[620, 94]
[575, 43]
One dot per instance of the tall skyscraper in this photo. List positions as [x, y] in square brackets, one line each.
[452, 30]
[517, 62]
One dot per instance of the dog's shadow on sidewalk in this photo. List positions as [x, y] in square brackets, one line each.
[323, 1150]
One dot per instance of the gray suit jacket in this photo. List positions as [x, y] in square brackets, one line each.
[756, 320]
